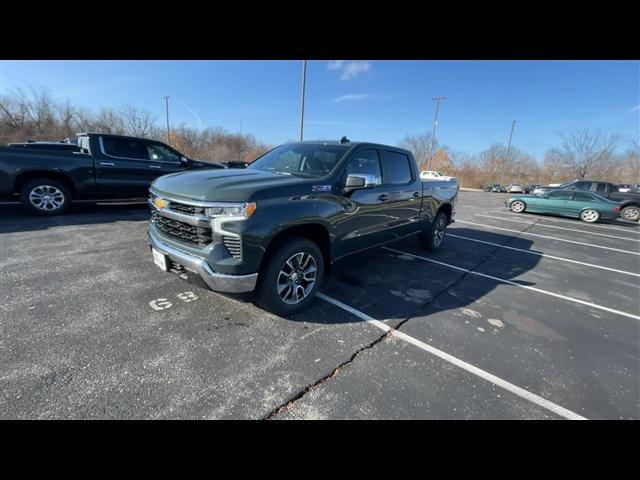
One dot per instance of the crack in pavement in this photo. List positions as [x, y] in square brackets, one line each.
[302, 393]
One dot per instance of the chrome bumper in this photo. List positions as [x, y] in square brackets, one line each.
[219, 282]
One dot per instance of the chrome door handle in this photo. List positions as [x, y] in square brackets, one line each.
[155, 166]
[108, 164]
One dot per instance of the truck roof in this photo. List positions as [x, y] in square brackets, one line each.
[350, 144]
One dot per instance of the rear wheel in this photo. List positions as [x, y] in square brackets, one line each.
[431, 238]
[631, 213]
[45, 196]
[517, 206]
[589, 216]
[291, 277]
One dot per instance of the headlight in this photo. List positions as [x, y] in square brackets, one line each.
[237, 210]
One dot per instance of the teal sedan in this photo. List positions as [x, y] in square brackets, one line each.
[586, 206]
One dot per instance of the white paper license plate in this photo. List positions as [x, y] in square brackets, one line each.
[159, 259]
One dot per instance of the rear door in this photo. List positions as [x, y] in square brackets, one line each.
[580, 201]
[124, 168]
[402, 197]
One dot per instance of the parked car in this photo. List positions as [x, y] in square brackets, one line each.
[586, 206]
[431, 175]
[530, 188]
[629, 201]
[277, 225]
[515, 188]
[624, 188]
[47, 176]
[495, 187]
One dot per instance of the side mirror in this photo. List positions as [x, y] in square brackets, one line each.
[184, 160]
[354, 182]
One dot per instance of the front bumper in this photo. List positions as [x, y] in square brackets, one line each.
[218, 282]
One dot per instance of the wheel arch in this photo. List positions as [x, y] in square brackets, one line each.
[315, 232]
[25, 177]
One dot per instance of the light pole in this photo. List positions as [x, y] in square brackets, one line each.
[166, 102]
[304, 80]
[513, 126]
[435, 125]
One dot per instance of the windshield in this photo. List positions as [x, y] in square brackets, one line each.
[301, 159]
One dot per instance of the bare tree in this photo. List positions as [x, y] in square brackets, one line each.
[586, 151]
[419, 146]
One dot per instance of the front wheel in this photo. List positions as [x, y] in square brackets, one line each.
[45, 196]
[631, 213]
[589, 216]
[291, 277]
[431, 238]
[518, 206]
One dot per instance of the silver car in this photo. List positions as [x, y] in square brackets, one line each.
[513, 188]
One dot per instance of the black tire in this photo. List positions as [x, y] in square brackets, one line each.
[55, 196]
[267, 290]
[631, 213]
[432, 237]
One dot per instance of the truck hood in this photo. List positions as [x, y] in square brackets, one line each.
[228, 185]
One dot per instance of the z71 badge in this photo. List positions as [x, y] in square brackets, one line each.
[321, 188]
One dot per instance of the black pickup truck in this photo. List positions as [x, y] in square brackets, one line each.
[629, 201]
[277, 225]
[47, 176]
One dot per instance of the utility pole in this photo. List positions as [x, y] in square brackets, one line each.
[513, 125]
[304, 80]
[166, 102]
[435, 125]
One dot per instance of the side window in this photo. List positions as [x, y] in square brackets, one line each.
[397, 168]
[160, 153]
[125, 148]
[561, 195]
[601, 188]
[366, 162]
[584, 197]
[581, 186]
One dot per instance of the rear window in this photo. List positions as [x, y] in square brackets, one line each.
[397, 168]
[561, 195]
[584, 197]
[125, 148]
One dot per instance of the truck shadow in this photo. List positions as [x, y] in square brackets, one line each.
[13, 218]
[393, 284]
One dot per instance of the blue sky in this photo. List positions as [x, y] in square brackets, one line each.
[380, 101]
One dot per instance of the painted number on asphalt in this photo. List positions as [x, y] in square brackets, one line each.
[187, 296]
[160, 304]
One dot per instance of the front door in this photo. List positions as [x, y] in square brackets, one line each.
[364, 219]
[123, 168]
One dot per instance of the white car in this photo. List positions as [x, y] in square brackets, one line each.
[431, 175]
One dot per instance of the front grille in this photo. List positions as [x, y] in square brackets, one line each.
[186, 209]
[233, 245]
[184, 232]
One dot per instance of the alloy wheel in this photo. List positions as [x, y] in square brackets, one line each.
[46, 198]
[297, 278]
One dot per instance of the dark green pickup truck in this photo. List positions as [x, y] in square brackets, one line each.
[276, 226]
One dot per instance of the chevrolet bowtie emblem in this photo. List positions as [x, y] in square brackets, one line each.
[160, 203]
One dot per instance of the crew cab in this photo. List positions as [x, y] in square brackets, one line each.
[629, 201]
[276, 226]
[47, 176]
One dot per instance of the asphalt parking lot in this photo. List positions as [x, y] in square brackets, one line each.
[516, 317]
